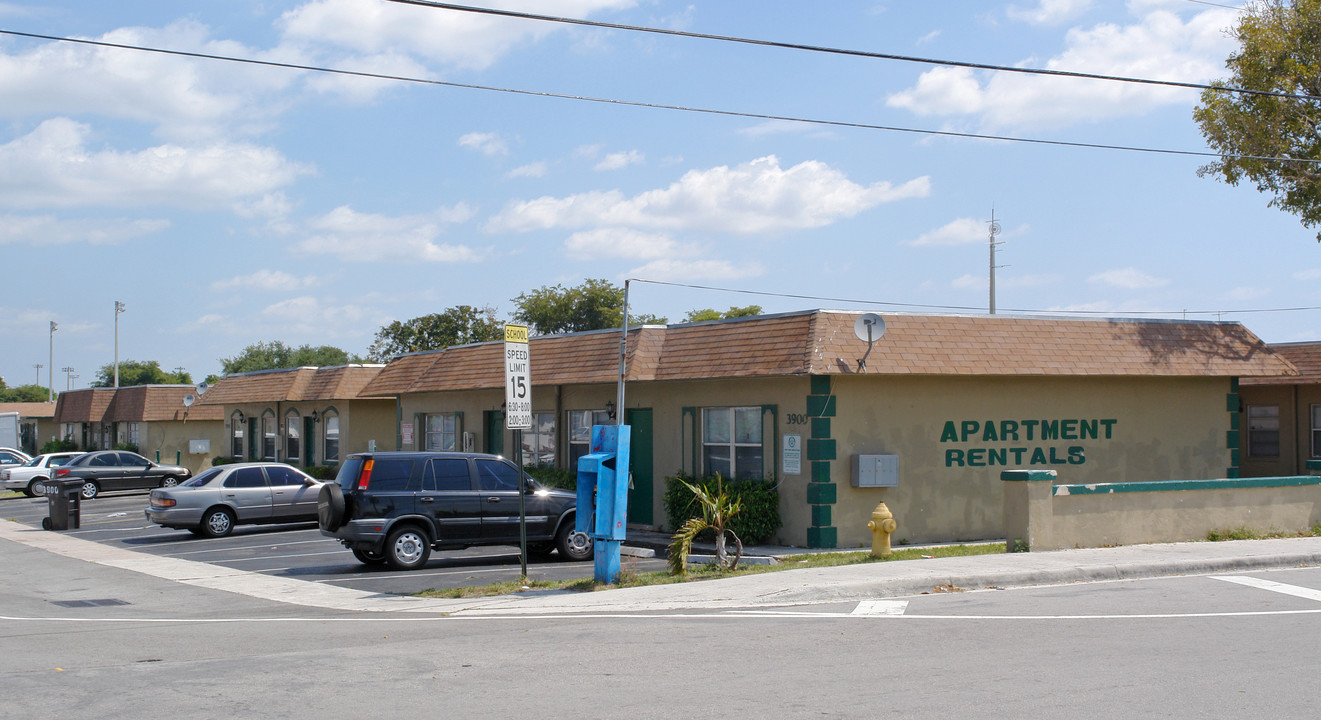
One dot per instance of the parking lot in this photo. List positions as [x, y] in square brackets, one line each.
[297, 551]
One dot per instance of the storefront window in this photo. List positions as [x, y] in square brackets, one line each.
[442, 431]
[331, 422]
[293, 433]
[580, 432]
[731, 442]
[1264, 431]
[539, 441]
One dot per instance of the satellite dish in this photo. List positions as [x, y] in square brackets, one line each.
[869, 327]
[188, 400]
[202, 387]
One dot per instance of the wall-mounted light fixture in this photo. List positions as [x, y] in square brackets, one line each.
[316, 417]
[238, 415]
[610, 408]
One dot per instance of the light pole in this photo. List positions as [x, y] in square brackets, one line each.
[68, 377]
[51, 377]
[119, 308]
[38, 366]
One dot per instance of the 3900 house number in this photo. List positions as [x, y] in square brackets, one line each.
[796, 419]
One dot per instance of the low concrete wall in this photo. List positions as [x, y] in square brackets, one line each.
[1047, 516]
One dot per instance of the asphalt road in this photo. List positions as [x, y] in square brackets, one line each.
[1185, 647]
[298, 551]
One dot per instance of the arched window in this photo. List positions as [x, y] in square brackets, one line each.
[268, 435]
[293, 433]
[330, 423]
[236, 435]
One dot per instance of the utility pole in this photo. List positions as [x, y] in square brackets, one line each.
[994, 230]
[68, 377]
[38, 366]
[119, 308]
[51, 377]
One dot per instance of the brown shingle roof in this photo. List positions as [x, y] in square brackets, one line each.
[85, 405]
[149, 403]
[292, 385]
[29, 409]
[823, 343]
[1306, 357]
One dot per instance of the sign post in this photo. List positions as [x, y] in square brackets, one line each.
[518, 417]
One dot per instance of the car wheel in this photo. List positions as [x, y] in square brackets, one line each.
[217, 522]
[367, 557]
[90, 489]
[169, 481]
[574, 546]
[407, 548]
[35, 487]
[330, 507]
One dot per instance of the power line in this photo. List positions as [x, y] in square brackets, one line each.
[841, 51]
[969, 308]
[653, 106]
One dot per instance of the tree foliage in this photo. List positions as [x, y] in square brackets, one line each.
[458, 325]
[710, 314]
[25, 393]
[1280, 52]
[275, 355]
[139, 372]
[593, 305]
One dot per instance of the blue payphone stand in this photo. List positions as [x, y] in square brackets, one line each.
[603, 496]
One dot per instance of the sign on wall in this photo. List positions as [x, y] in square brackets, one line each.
[518, 379]
[791, 457]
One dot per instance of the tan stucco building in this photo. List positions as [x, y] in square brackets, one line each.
[940, 406]
[152, 418]
[36, 424]
[1281, 416]
[304, 416]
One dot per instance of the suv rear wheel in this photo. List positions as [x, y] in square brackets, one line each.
[573, 546]
[407, 548]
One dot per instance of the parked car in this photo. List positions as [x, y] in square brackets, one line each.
[29, 476]
[119, 470]
[219, 498]
[9, 457]
[396, 507]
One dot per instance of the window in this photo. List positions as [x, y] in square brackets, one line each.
[731, 442]
[292, 435]
[236, 434]
[496, 476]
[580, 433]
[539, 442]
[133, 434]
[447, 475]
[268, 434]
[391, 475]
[441, 432]
[249, 477]
[1264, 430]
[283, 475]
[1316, 431]
[331, 422]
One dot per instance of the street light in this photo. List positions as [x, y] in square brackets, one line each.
[51, 377]
[38, 366]
[119, 308]
[68, 377]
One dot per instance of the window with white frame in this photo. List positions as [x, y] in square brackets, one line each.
[580, 433]
[539, 441]
[133, 434]
[330, 421]
[1316, 431]
[293, 433]
[732, 442]
[1264, 431]
[442, 432]
[269, 432]
[236, 434]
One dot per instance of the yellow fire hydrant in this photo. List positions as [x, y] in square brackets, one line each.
[881, 525]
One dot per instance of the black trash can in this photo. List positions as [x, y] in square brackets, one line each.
[64, 498]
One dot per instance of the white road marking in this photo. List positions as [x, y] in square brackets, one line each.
[881, 607]
[1271, 585]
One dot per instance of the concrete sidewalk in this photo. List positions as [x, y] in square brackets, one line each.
[805, 586]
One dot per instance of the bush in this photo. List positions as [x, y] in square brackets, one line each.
[553, 477]
[323, 472]
[55, 446]
[127, 447]
[760, 499]
[224, 460]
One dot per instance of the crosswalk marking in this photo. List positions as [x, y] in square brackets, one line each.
[881, 607]
[1271, 585]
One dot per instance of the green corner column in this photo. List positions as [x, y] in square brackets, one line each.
[821, 491]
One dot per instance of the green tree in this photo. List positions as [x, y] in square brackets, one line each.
[138, 372]
[1280, 52]
[733, 312]
[458, 325]
[24, 393]
[594, 305]
[275, 355]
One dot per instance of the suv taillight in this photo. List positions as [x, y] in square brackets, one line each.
[366, 475]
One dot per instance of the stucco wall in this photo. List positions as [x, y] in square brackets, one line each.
[360, 423]
[172, 440]
[1295, 404]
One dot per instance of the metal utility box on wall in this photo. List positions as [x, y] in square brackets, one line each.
[875, 471]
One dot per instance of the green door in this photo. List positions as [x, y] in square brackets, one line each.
[309, 441]
[640, 463]
[495, 432]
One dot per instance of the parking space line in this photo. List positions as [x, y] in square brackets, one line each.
[1294, 590]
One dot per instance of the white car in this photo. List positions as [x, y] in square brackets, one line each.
[29, 476]
[9, 457]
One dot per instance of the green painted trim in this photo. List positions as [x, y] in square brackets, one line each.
[777, 458]
[1233, 384]
[1233, 421]
[1232, 402]
[821, 471]
[822, 537]
[1233, 457]
[821, 516]
[820, 385]
[821, 493]
[821, 405]
[820, 427]
[1177, 485]
[1028, 475]
[818, 449]
[1314, 464]
[1231, 473]
[1231, 439]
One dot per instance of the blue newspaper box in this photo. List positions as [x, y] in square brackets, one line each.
[603, 496]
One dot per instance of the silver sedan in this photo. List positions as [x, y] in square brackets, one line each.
[212, 503]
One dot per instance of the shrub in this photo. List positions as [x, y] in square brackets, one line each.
[128, 447]
[322, 472]
[759, 500]
[59, 446]
[224, 460]
[553, 477]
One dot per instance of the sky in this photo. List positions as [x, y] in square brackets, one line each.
[226, 203]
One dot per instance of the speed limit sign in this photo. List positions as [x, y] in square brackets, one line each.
[518, 379]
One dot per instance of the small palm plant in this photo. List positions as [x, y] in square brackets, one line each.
[718, 508]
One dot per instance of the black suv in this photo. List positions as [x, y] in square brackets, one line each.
[395, 507]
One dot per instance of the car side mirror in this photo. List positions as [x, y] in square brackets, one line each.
[309, 482]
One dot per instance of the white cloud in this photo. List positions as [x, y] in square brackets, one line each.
[532, 170]
[1128, 278]
[307, 315]
[963, 231]
[696, 269]
[1244, 293]
[1159, 46]
[1049, 12]
[488, 144]
[1311, 274]
[266, 280]
[615, 161]
[773, 127]
[52, 167]
[971, 282]
[355, 236]
[622, 243]
[929, 37]
[50, 230]
[756, 197]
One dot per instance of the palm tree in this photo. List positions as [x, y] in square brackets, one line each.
[718, 508]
